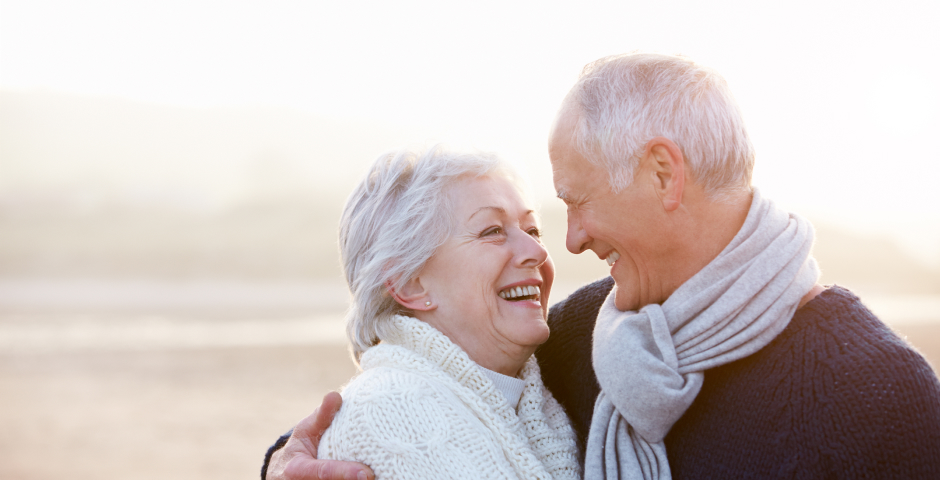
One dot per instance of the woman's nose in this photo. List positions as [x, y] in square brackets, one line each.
[529, 250]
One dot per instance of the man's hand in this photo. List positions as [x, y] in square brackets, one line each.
[297, 459]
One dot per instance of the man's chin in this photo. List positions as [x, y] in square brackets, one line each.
[624, 299]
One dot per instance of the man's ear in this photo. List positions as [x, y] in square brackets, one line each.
[412, 295]
[668, 168]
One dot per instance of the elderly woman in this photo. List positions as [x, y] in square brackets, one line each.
[450, 284]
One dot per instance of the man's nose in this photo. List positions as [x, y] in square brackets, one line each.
[577, 239]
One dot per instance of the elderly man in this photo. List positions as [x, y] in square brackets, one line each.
[711, 351]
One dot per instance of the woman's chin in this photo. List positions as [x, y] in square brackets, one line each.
[534, 333]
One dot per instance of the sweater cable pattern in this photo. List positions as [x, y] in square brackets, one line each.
[422, 408]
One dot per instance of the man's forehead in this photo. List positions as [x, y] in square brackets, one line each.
[564, 178]
[563, 126]
[565, 160]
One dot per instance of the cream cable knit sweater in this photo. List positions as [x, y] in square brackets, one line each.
[422, 409]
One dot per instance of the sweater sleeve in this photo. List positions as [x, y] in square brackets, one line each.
[885, 426]
[273, 448]
[881, 415]
[407, 427]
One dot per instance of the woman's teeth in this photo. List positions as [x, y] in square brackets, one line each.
[521, 293]
[612, 258]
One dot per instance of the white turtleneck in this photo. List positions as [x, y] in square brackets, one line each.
[510, 387]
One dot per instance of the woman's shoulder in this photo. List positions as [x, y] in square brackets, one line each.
[403, 385]
[408, 425]
[385, 381]
[388, 369]
[386, 403]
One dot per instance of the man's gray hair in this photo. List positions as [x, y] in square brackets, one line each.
[392, 224]
[624, 101]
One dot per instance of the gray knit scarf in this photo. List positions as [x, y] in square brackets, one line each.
[649, 363]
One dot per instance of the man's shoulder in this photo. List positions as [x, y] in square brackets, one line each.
[877, 394]
[855, 356]
[838, 320]
[584, 302]
[834, 352]
[572, 319]
[836, 388]
[592, 291]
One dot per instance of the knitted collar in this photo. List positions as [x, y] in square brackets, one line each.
[435, 347]
[539, 440]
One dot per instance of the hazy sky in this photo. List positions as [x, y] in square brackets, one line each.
[841, 98]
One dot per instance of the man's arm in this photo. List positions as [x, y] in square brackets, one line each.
[294, 457]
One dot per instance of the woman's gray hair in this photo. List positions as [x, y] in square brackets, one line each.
[624, 101]
[393, 222]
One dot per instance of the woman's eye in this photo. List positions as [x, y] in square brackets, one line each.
[535, 232]
[492, 231]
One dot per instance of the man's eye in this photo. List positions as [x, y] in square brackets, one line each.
[492, 231]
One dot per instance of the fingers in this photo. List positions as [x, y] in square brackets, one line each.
[307, 468]
[310, 429]
[323, 416]
[297, 460]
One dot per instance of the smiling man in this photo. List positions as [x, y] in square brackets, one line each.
[710, 351]
[715, 352]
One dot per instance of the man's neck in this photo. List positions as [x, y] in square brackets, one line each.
[709, 227]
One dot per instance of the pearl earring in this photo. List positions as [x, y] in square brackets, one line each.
[427, 304]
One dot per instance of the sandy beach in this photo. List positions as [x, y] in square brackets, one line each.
[83, 411]
[182, 414]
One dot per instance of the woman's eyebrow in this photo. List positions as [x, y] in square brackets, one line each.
[502, 211]
[499, 210]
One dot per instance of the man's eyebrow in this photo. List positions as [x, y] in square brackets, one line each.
[563, 195]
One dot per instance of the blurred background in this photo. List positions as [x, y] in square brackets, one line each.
[172, 174]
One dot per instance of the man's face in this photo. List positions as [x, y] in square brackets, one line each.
[621, 228]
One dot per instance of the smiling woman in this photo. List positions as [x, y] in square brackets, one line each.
[450, 285]
[493, 308]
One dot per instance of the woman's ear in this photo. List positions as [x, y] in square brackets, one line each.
[412, 295]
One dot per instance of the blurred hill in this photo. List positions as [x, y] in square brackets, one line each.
[65, 151]
[297, 241]
[108, 188]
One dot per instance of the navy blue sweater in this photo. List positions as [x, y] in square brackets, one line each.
[836, 395]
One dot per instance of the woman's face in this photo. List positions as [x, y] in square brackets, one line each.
[489, 282]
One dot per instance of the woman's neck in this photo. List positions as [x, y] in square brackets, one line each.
[486, 347]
